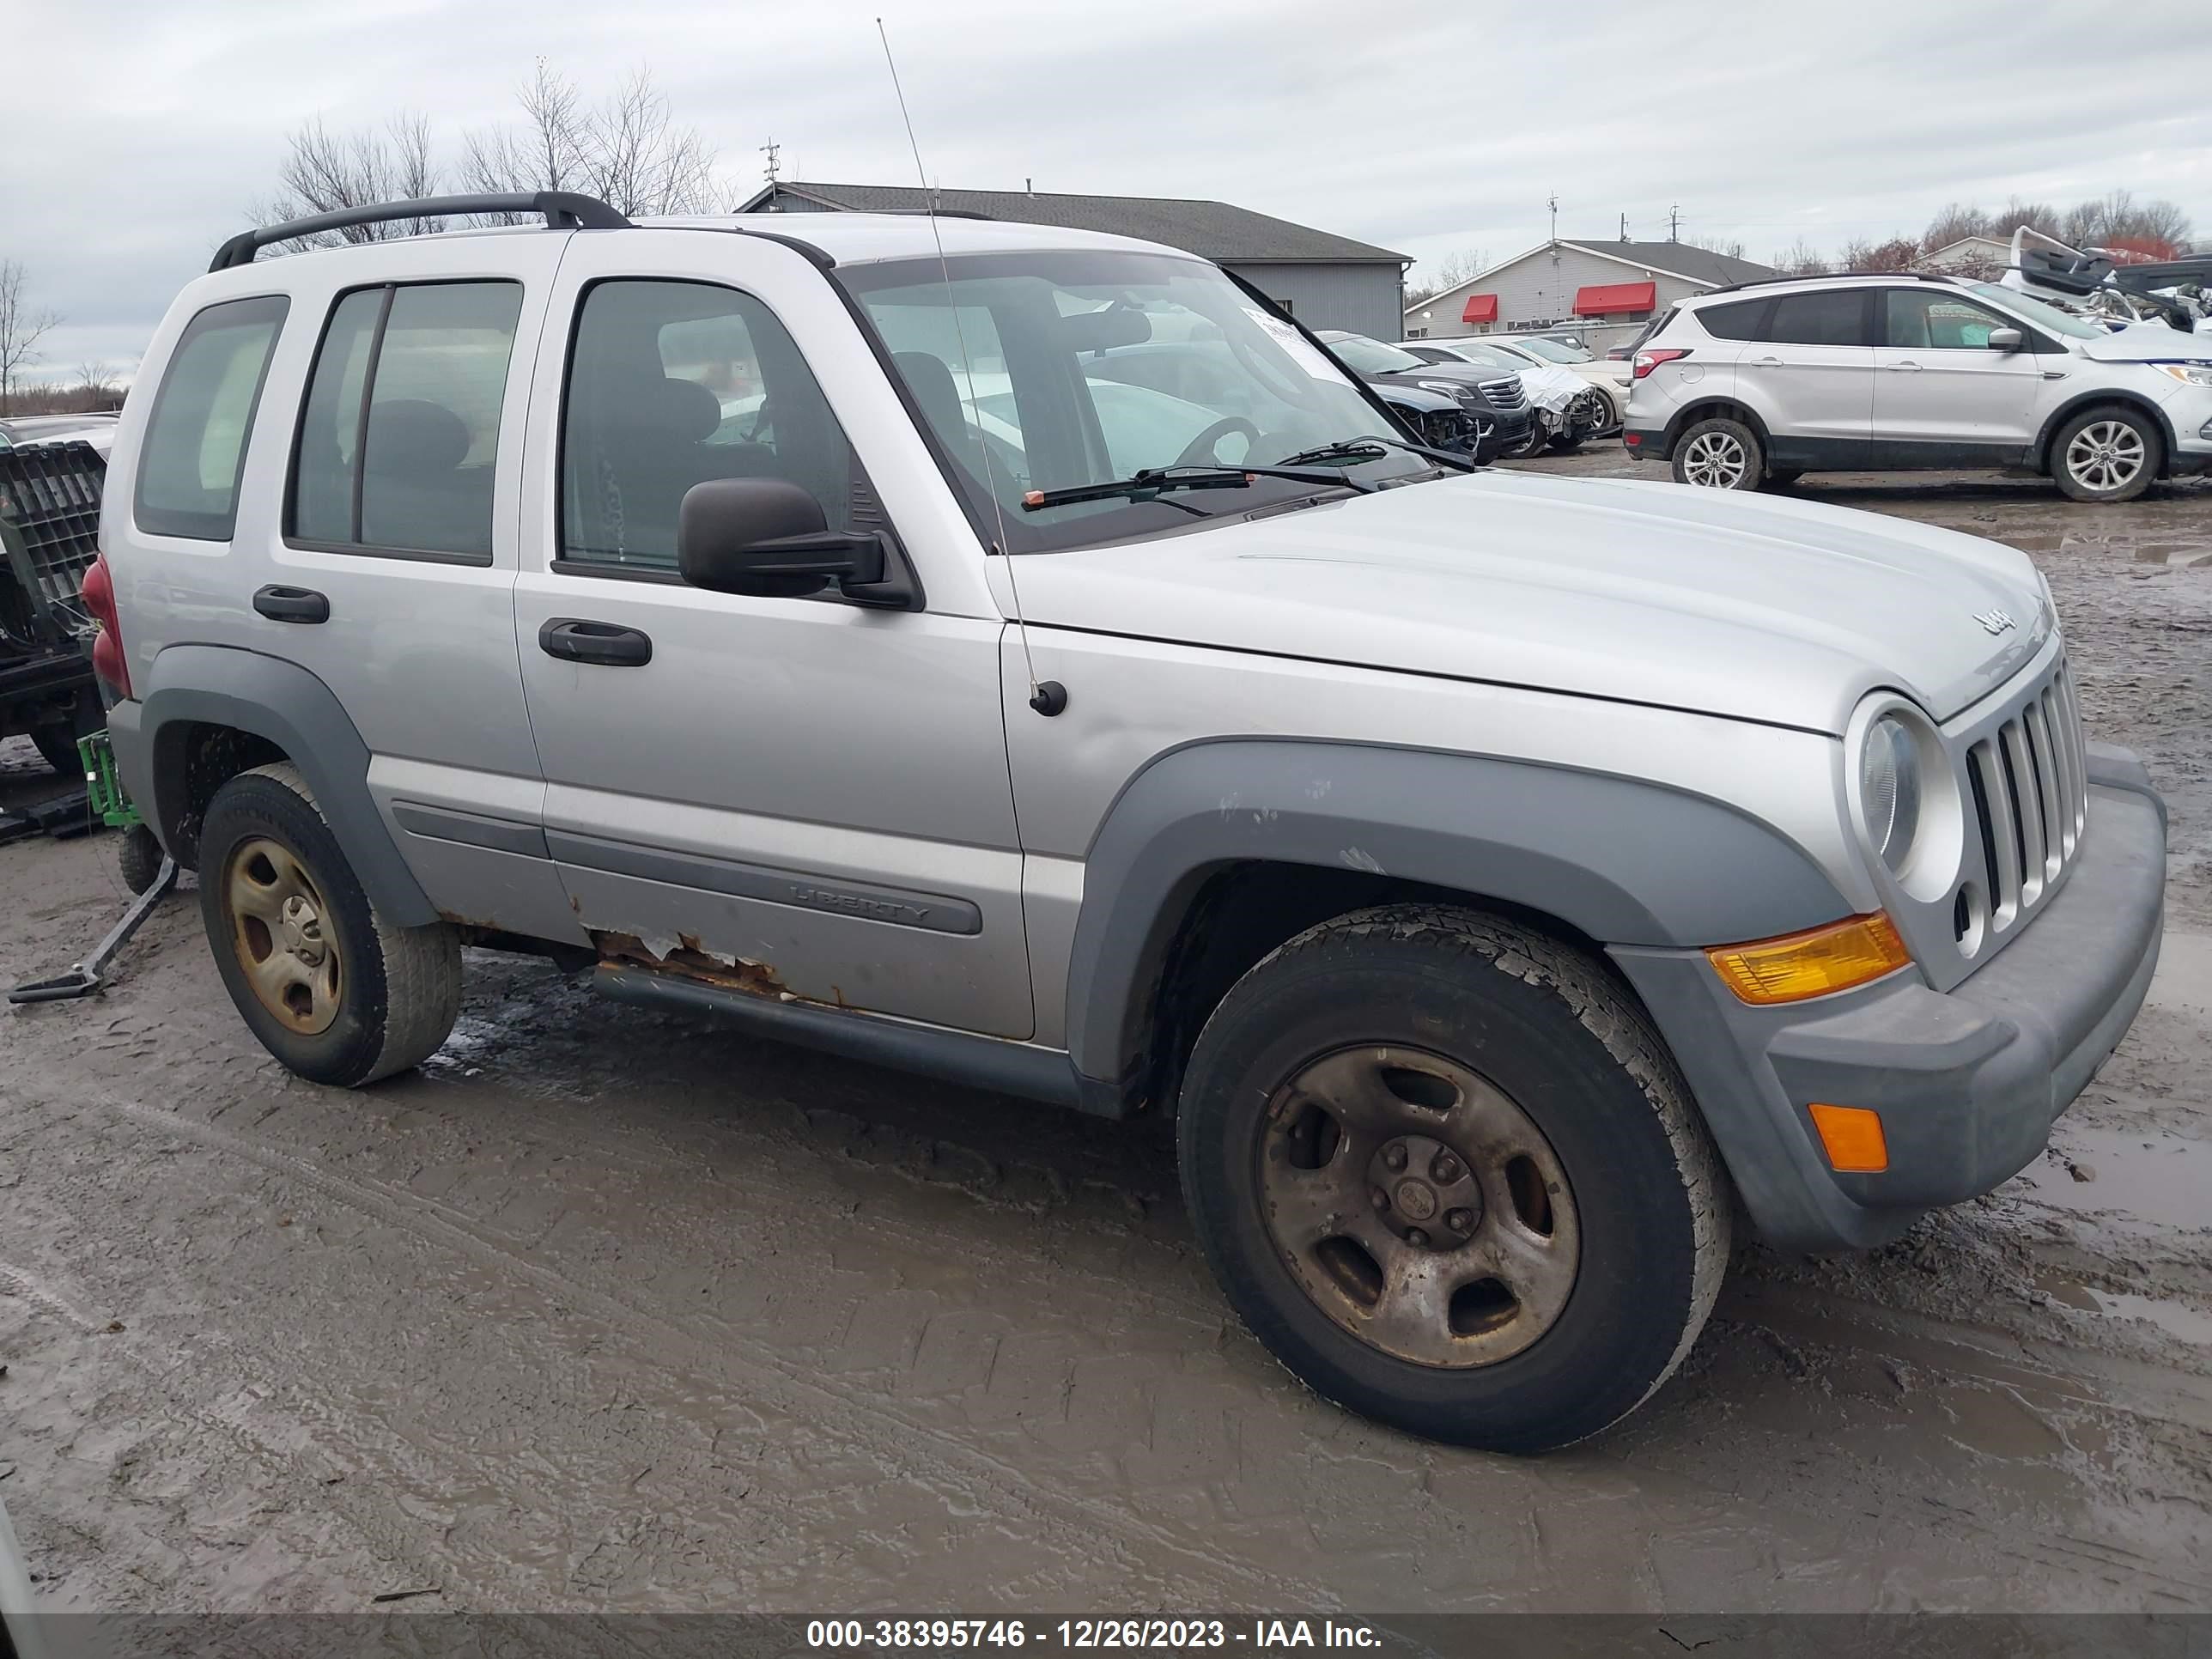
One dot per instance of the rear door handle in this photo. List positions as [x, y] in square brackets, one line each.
[292, 604]
[606, 644]
[1910, 367]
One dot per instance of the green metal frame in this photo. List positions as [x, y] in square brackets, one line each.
[103, 785]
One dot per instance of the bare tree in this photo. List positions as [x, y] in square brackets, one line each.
[325, 171]
[1955, 223]
[95, 384]
[1723, 245]
[2158, 229]
[628, 150]
[1800, 258]
[1447, 272]
[21, 327]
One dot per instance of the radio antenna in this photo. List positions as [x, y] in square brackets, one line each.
[1046, 700]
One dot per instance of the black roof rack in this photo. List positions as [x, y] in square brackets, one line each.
[1830, 277]
[931, 213]
[564, 210]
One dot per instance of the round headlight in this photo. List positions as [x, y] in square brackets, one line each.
[1889, 789]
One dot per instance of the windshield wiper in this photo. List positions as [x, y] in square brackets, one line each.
[1370, 448]
[1153, 482]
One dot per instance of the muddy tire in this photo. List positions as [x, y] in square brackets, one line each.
[139, 858]
[1449, 1176]
[2109, 454]
[334, 991]
[1719, 454]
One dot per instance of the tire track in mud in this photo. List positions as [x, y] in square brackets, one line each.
[859, 1415]
[261, 1432]
[933, 1457]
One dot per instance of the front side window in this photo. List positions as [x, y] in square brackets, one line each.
[1938, 320]
[2041, 314]
[400, 434]
[673, 384]
[195, 445]
[1064, 368]
[1831, 317]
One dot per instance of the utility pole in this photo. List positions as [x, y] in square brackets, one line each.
[1553, 203]
[773, 151]
[1675, 223]
[1624, 227]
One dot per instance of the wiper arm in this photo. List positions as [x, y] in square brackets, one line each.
[1368, 447]
[1151, 482]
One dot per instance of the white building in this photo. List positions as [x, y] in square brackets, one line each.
[1611, 287]
[1974, 256]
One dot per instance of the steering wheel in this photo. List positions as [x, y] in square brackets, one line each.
[1199, 451]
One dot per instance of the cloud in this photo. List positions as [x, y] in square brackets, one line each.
[1431, 130]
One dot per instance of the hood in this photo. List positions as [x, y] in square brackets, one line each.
[1753, 607]
[2146, 342]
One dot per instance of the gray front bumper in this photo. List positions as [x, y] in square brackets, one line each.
[1967, 1082]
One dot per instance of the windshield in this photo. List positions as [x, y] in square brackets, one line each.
[1554, 351]
[1371, 356]
[2042, 315]
[1056, 369]
[1490, 356]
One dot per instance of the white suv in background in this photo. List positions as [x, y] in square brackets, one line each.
[1759, 384]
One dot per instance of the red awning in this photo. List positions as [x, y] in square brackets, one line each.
[1481, 308]
[1603, 297]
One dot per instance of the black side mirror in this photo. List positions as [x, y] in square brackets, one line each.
[2006, 339]
[767, 537]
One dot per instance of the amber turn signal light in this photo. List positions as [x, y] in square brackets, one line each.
[1851, 1136]
[1813, 963]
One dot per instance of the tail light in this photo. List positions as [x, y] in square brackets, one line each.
[107, 662]
[1649, 358]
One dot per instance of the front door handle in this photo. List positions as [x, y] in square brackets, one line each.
[606, 644]
[292, 604]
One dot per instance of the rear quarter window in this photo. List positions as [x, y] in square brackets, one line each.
[1739, 319]
[194, 449]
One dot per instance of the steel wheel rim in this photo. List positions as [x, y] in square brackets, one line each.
[2106, 455]
[283, 934]
[1418, 1207]
[1715, 461]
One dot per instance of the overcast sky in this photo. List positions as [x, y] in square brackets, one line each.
[149, 128]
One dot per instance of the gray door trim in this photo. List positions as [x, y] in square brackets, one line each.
[936, 913]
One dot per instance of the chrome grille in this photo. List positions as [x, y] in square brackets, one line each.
[1505, 394]
[2030, 785]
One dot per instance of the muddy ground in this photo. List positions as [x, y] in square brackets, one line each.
[608, 1310]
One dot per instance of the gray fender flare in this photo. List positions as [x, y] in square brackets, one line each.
[1624, 861]
[282, 701]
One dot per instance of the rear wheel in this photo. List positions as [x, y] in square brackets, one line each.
[56, 740]
[2108, 454]
[1449, 1176]
[332, 988]
[1719, 453]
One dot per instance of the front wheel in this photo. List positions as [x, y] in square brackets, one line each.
[1449, 1176]
[332, 988]
[2109, 454]
[1720, 454]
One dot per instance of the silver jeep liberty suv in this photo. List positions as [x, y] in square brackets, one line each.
[1027, 656]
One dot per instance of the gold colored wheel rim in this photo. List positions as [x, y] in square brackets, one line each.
[1419, 1207]
[285, 938]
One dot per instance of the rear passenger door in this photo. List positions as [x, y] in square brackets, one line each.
[1809, 371]
[388, 566]
[793, 797]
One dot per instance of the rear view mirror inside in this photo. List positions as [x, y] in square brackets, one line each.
[1102, 331]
